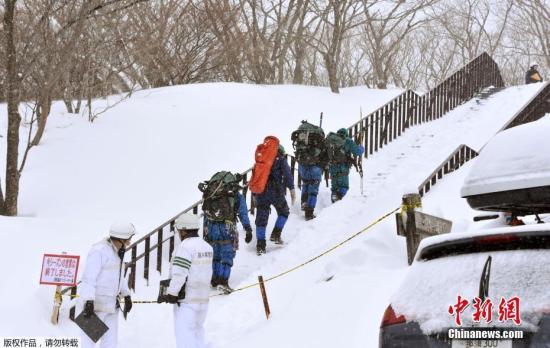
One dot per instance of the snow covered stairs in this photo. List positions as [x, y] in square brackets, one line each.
[373, 131]
[487, 92]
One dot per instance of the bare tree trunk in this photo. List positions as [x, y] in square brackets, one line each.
[9, 206]
[2, 203]
[332, 71]
[69, 106]
[44, 107]
[298, 78]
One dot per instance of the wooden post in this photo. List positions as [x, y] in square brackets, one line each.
[159, 250]
[264, 296]
[73, 309]
[57, 300]
[410, 202]
[132, 277]
[146, 260]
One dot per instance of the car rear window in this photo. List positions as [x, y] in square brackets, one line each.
[520, 267]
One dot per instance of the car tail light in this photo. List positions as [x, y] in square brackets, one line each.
[500, 238]
[391, 319]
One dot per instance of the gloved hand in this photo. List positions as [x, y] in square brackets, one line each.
[248, 236]
[362, 148]
[127, 305]
[88, 309]
[168, 299]
[292, 196]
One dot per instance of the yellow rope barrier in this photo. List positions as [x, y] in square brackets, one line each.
[302, 264]
[316, 257]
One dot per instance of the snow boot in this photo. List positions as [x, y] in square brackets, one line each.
[214, 281]
[335, 196]
[309, 214]
[276, 236]
[260, 247]
[224, 287]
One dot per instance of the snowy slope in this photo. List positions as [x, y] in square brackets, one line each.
[144, 157]
[307, 310]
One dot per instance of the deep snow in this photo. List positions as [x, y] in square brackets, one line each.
[84, 175]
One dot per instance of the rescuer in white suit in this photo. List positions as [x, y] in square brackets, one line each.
[191, 272]
[103, 280]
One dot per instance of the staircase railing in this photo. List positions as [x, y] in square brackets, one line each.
[534, 109]
[378, 128]
[456, 159]
[408, 109]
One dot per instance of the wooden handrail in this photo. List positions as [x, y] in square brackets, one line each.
[455, 160]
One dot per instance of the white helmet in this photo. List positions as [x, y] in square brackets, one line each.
[122, 230]
[187, 221]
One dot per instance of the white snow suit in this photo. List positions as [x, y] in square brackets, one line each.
[191, 267]
[102, 281]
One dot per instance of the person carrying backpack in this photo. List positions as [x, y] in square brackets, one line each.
[222, 204]
[310, 151]
[533, 75]
[341, 148]
[280, 178]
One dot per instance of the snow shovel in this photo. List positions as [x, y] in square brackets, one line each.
[92, 326]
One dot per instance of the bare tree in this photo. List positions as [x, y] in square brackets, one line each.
[39, 38]
[8, 205]
[337, 19]
[527, 40]
[385, 29]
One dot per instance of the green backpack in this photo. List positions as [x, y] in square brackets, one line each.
[219, 196]
[309, 143]
[335, 149]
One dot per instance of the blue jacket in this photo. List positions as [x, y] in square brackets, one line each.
[242, 211]
[280, 177]
[350, 147]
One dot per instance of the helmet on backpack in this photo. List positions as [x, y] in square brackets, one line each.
[187, 221]
[342, 132]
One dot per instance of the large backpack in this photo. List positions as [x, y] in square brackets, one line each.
[309, 143]
[219, 196]
[335, 149]
[264, 157]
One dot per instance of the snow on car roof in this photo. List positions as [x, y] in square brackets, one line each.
[514, 159]
[476, 233]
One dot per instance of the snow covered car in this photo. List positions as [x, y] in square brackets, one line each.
[512, 172]
[494, 282]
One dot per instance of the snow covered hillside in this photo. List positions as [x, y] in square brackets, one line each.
[143, 159]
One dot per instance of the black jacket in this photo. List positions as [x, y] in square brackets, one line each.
[532, 75]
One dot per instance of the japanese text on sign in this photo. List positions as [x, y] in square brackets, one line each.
[59, 269]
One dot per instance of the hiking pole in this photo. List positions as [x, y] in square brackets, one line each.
[360, 157]
[321, 121]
